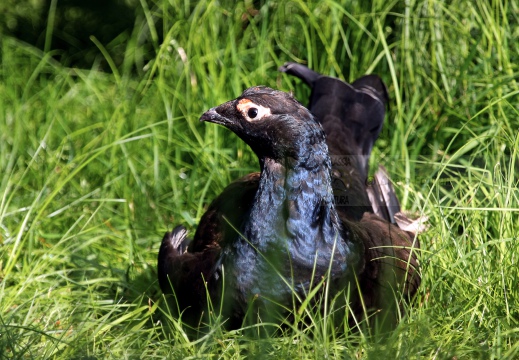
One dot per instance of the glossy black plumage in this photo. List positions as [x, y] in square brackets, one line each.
[308, 212]
[352, 116]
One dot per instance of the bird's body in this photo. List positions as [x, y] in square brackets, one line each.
[274, 235]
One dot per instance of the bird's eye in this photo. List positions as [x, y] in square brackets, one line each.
[252, 113]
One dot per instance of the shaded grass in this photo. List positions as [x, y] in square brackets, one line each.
[95, 167]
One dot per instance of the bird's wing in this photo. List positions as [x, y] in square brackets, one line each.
[307, 75]
[351, 114]
[179, 269]
[226, 214]
[391, 262]
[193, 267]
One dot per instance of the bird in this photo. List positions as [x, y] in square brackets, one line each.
[309, 216]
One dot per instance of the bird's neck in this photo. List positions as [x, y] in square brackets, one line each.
[294, 203]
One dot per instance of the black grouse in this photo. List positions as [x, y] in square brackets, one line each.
[309, 215]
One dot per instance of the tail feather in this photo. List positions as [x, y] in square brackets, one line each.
[382, 196]
[385, 204]
[173, 245]
[175, 241]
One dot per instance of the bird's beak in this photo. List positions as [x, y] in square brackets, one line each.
[211, 116]
[214, 115]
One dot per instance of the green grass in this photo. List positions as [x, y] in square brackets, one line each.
[95, 167]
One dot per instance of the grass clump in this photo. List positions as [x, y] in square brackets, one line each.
[94, 167]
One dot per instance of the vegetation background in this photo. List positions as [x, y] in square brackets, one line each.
[101, 152]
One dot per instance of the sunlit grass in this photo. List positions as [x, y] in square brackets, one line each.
[95, 167]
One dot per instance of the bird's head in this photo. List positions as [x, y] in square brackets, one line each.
[271, 122]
